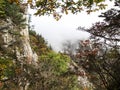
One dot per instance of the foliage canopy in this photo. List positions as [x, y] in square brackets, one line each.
[101, 56]
[56, 7]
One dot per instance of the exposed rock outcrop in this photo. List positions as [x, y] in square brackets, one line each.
[15, 40]
[82, 76]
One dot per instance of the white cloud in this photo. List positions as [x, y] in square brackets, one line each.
[55, 32]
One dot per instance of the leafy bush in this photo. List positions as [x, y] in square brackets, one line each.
[2, 6]
[6, 68]
[56, 63]
[53, 74]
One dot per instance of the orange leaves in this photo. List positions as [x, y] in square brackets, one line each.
[85, 88]
[12, 1]
[1, 84]
[18, 71]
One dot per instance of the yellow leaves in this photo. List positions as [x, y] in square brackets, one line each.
[5, 67]
[98, 7]
[66, 11]
[98, 1]
[47, 7]
[56, 15]
[29, 2]
[12, 1]
[43, 49]
[19, 1]
[2, 66]
[102, 6]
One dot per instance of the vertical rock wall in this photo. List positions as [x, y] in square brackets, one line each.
[16, 40]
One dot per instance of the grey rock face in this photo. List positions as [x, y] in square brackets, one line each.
[16, 40]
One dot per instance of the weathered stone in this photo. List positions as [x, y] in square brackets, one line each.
[19, 40]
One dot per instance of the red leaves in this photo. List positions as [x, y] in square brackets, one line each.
[87, 49]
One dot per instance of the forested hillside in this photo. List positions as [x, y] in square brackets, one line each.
[28, 63]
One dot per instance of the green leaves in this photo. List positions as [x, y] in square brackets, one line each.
[13, 11]
[57, 63]
[6, 65]
[2, 6]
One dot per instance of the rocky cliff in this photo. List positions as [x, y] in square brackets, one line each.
[15, 41]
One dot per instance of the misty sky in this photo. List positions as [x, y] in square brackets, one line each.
[56, 32]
